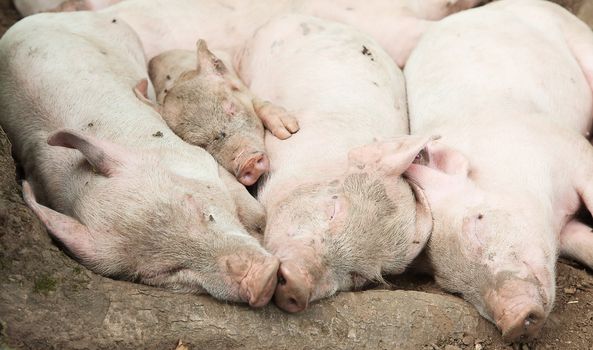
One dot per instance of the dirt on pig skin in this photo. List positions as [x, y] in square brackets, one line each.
[570, 325]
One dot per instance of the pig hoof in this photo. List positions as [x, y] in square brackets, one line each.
[253, 169]
[293, 290]
[526, 326]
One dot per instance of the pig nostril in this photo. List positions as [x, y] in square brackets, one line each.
[292, 301]
[281, 280]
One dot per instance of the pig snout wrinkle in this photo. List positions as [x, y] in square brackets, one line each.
[293, 290]
[526, 326]
[260, 283]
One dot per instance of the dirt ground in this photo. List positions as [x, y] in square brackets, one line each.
[570, 326]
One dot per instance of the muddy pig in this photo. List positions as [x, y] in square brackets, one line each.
[206, 104]
[512, 166]
[108, 178]
[339, 213]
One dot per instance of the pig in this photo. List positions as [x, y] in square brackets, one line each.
[164, 25]
[107, 177]
[513, 165]
[206, 104]
[339, 214]
[30, 7]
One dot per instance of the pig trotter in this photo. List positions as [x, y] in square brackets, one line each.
[576, 242]
[276, 119]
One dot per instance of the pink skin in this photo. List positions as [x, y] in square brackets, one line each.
[252, 168]
[512, 167]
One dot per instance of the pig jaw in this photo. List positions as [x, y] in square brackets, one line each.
[338, 236]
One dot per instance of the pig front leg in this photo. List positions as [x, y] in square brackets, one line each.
[576, 242]
[275, 118]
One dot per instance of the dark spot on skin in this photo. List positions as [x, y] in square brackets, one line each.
[334, 197]
[480, 216]
[104, 52]
[86, 183]
[211, 218]
[416, 242]
[375, 83]
[168, 77]
[114, 20]
[166, 90]
[349, 8]
[90, 125]
[221, 135]
[334, 183]
[365, 51]
[158, 134]
[305, 28]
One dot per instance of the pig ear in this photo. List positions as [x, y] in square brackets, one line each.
[207, 62]
[105, 157]
[424, 222]
[141, 92]
[75, 236]
[389, 157]
[438, 170]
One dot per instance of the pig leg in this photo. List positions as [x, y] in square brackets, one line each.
[251, 213]
[576, 242]
[275, 118]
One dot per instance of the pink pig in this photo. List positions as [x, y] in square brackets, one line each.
[508, 86]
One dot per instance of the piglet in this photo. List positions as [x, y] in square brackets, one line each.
[206, 104]
[110, 181]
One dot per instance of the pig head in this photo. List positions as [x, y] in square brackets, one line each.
[133, 218]
[205, 105]
[480, 246]
[342, 233]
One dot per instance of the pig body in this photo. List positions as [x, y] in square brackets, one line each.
[204, 102]
[339, 215]
[30, 7]
[175, 24]
[504, 87]
[129, 198]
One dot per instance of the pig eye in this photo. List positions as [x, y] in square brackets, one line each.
[221, 135]
[421, 158]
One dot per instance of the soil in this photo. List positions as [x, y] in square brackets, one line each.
[48, 301]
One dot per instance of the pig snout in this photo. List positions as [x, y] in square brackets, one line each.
[518, 310]
[294, 288]
[251, 167]
[257, 279]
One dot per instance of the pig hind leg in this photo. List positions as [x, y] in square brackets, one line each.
[576, 242]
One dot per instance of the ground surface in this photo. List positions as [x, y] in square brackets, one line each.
[49, 301]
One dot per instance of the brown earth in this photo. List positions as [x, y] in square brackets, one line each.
[48, 301]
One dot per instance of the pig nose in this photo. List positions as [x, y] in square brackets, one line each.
[253, 168]
[526, 326]
[293, 290]
[261, 282]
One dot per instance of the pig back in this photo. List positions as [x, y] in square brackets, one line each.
[343, 88]
[493, 61]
